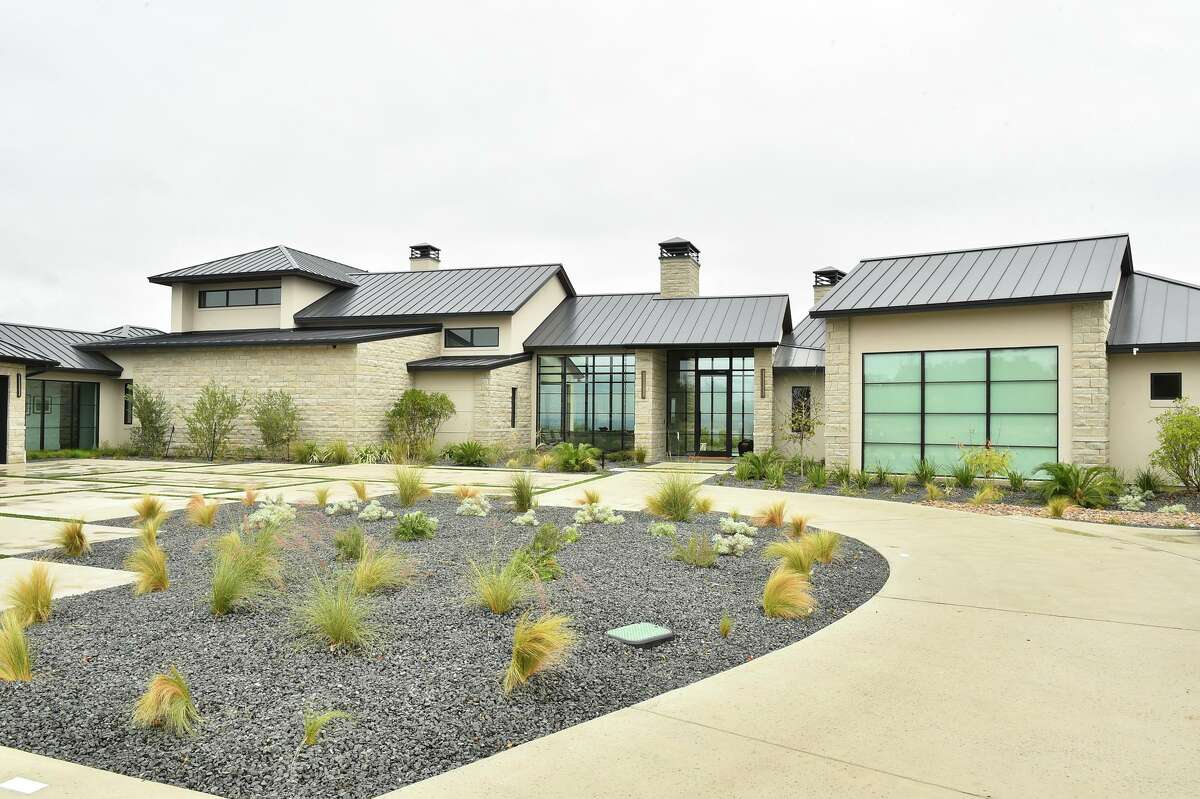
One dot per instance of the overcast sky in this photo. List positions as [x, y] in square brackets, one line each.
[780, 138]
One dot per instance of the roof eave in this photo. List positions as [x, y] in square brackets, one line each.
[1126, 349]
[138, 344]
[241, 277]
[422, 366]
[818, 313]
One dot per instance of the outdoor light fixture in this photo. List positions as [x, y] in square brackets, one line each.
[762, 383]
[19, 385]
[643, 384]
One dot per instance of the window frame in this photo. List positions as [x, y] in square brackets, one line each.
[203, 294]
[585, 373]
[512, 407]
[127, 398]
[1178, 376]
[470, 337]
[803, 401]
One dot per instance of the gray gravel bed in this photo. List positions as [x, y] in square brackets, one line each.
[426, 698]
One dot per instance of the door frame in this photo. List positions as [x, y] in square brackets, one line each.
[728, 375]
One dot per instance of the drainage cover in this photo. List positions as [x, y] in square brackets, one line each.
[641, 633]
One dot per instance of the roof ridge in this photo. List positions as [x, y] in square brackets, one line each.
[287, 249]
[222, 258]
[59, 329]
[459, 269]
[1165, 279]
[725, 296]
[992, 247]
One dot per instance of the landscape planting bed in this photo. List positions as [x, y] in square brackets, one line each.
[426, 697]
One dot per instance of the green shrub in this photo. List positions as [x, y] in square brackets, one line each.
[986, 461]
[924, 471]
[415, 526]
[860, 480]
[817, 476]
[152, 417]
[988, 494]
[964, 475]
[469, 453]
[337, 452]
[841, 474]
[798, 465]
[1088, 487]
[1016, 480]
[756, 464]
[899, 483]
[520, 491]
[661, 529]
[1178, 452]
[570, 457]
[774, 475]
[674, 499]
[335, 615]
[743, 469]
[414, 420]
[879, 474]
[500, 588]
[410, 486]
[349, 543]
[698, 551]
[305, 452]
[167, 703]
[277, 419]
[211, 420]
[1148, 480]
[539, 553]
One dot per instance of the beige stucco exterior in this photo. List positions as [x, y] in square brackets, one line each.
[483, 404]
[15, 439]
[784, 380]
[1134, 433]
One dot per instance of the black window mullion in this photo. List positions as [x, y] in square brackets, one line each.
[987, 397]
[922, 407]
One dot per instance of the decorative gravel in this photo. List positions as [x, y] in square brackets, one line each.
[426, 697]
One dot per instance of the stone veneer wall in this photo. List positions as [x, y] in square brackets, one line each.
[679, 277]
[16, 413]
[650, 414]
[764, 399]
[381, 376]
[492, 423]
[837, 391]
[1089, 383]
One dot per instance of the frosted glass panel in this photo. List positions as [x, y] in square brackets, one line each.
[892, 428]
[1027, 459]
[955, 397]
[1037, 363]
[955, 428]
[897, 458]
[898, 398]
[1024, 397]
[943, 456]
[966, 365]
[892, 367]
[1029, 429]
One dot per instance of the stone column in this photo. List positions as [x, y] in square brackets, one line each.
[1089, 384]
[764, 399]
[16, 412]
[837, 391]
[650, 410]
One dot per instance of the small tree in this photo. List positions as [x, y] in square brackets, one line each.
[986, 461]
[414, 420]
[1179, 443]
[210, 422]
[153, 415]
[803, 423]
[277, 419]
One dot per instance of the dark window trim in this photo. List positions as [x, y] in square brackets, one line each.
[512, 407]
[40, 402]
[730, 372]
[128, 399]
[1177, 394]
[468, 334]
[204, 293]
[804, 401]
[588, 436]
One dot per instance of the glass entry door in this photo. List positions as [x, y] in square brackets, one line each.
[712, 413]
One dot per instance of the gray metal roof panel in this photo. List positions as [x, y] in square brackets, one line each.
[266, 338]
[468, 361]
[804, 347]
[798, 358]
[1054, 271]
[434, 293]
[268, 262]
[130, 331]
[60, 345]
[648, 320]
[1152, 313]
[15, 353]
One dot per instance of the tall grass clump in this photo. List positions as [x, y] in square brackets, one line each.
[242, 569]
[898, 483]
[538, 644]
[825, 545]
[465, 492]
[360, 489]
[410, 486]
[817, 476]
[964, 475]
[201, 513]
[249, 496]
[1148, 480]
[335, 615]
[726, 625]
[520, 491]
[772, 515]
[797, 525]
[786, 595]
[148, 507]
[349, 543]
[149, 563]
[15, 665]
[29, 597]
[704, 505]
[674, 499]
[315, 722]
[72, 540]
[988, 494]
[500, 587]
[321, 496]
[381, 570]
[697, 551]
[148, 531]
[799, 556]
[259, 549]
[590, 497]
[924, 471]
[233, 585]
[167, 703]
[1057, 506]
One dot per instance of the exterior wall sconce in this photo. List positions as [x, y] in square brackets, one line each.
[643, 384]
[19, 376]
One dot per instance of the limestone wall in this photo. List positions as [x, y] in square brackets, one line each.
[650, 416]
[837, 391]
[1089, 383]
[15, 448]
[764, 398]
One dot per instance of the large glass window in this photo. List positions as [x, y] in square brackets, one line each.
[587, 398]
[931, 404]
[239, 298]
[472, 337]
[710, 401]
[61, 414]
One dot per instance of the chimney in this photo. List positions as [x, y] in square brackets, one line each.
[823, 282]
[679, 268]
[422, 257]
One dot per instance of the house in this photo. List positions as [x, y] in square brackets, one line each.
[1032, 347]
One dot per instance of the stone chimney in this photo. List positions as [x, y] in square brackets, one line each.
[823, 282]
[679, 268]
[422, 257]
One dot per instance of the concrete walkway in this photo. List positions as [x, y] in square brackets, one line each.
[1004, 657]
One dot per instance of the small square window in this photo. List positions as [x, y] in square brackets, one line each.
[212, 299]
[1166, 385]
[486, 337]
[268, 296]
[241, 297]
[458, 337]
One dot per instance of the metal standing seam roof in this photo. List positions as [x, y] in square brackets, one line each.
[647, 320]
[1052, 271]
[1154, 313]
[277, 338]
[15, 353]
[130, 331]
[804, 347]
[61, 346]
[469, 361]
[433, 293]
[275, 261]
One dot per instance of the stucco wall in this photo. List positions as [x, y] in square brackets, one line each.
[296, 294]
[493, 406]
[1133, 431]
[382, 376]
[459, 386]
[186, 316]
[534, 312]
[15, 449]
[815, 446]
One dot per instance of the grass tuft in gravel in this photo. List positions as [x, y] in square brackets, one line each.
[29, 597]
[500, 588]
[349, 543]
[149, 563]
[772, 515]
[1057, 506]
[167, 703]
[148, 531]
[249, 496]
[520, 491]
[798, 555]
[726, 625]
[465, 492]
[538, 644]
[72, 540]
[697, 551]
[321, 496]
[381, 570]
[360, 489]
[236, 580]
[315, 722]
[825, 544]
[674, 499]
[704, 504]
[15, 664]
[786, 595]
[201, 513]
[335, 615]
[148, 507]
[410, 486]
[797, 525]
[590, 497]
[258, 551]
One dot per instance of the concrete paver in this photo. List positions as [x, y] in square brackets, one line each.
[69, 578]
[70, 781]
[18, 536]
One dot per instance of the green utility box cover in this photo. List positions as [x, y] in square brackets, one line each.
[641, 633]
